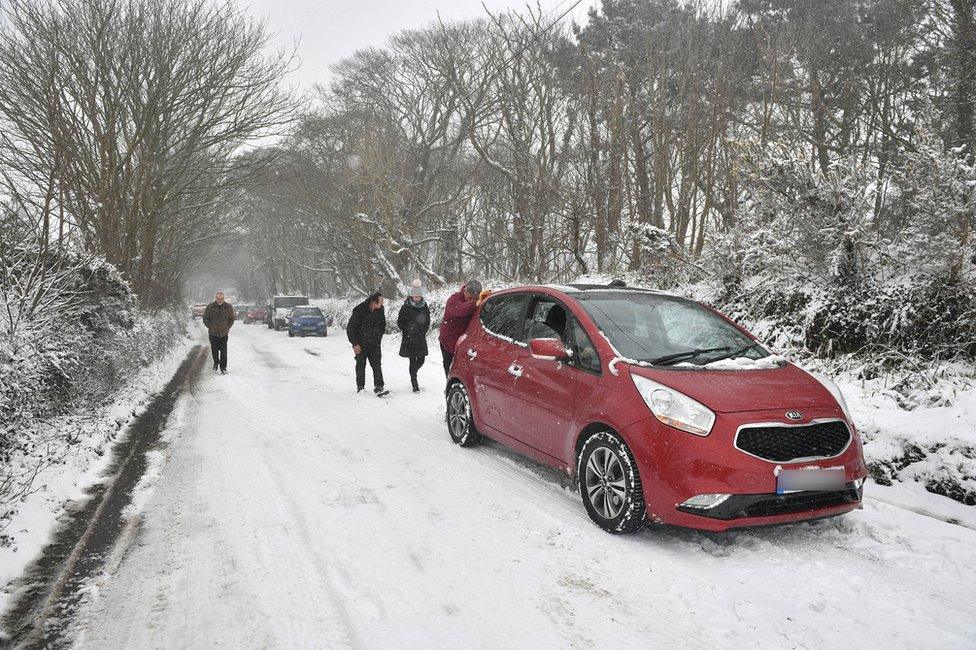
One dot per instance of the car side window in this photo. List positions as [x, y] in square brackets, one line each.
[547, 320]
[585, 352]
[502, 315]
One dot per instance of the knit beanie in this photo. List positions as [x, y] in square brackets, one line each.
[416, 290]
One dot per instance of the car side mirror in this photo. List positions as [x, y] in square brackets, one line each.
[549, 350]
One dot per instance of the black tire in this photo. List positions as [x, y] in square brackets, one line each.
[291, 334]
[610, 486]
[460, 424]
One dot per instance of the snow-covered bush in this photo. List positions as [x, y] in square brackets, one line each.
[840, 262]
[64, 345]
[933, 211]
[663, 262]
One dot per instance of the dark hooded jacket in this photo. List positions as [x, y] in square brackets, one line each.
[414, 321]
[366, 326]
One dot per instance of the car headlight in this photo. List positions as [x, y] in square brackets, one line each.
[834, 390]
[673, 408]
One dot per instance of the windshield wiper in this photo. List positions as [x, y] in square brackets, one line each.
[682, 356]
[735, 353]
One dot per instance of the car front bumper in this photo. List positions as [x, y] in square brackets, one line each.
[676, 466]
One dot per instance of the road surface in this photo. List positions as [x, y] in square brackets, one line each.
[287, 511]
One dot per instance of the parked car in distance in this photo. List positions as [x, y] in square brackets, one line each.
[307, 321]
[662, 408]
[280, 309]
[255, 314]
[197, 310]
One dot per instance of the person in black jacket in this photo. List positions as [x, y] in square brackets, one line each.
[414, 322]
[365, 332]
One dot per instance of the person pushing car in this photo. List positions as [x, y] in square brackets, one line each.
[365, 332]
[218, 318]
[457, 314]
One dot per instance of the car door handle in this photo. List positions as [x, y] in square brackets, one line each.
[515, 370]
[472, 354]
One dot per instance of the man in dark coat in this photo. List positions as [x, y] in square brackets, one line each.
[414, 322]
[218, 318]
[365, 332]
[457, 313]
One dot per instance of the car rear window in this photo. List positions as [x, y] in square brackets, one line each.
[502, 315]
[306, 311]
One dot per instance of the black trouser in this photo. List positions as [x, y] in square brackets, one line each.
[415, 364]
[218, 347]
[374, 356]
[448, 359]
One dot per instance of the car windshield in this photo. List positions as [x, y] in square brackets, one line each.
[306, 311]
[285, 303]
[666, 329]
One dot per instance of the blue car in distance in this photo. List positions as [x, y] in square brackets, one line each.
[307, 321]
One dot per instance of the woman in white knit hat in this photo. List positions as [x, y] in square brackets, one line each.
[414, 322]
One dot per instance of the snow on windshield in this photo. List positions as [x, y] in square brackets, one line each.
[652, 327]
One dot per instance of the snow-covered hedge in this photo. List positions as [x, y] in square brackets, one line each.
[68, 361]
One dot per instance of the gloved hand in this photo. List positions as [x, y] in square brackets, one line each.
[483, 296]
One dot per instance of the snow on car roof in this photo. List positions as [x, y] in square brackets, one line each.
[579, 290]
[608, 288]
[566, 288]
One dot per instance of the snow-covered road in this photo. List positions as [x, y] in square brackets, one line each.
[290, 512]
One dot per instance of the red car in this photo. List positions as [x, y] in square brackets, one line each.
[255, 314]
[663, 409]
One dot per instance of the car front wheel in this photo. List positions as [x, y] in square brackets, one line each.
[459, 421]
[610, 485]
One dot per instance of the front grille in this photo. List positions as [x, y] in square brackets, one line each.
[782, 444]
[739, 506]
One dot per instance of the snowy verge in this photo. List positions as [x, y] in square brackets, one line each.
[80, 463]
[933, 446]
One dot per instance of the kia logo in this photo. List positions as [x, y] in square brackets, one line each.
[794, 415]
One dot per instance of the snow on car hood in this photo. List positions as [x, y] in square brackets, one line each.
[732, 391]
[738, 363]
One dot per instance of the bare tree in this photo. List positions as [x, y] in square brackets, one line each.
[127, 115]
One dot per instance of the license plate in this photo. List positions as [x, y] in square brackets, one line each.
[814, 479]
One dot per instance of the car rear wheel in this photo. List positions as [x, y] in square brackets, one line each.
[459, 421]
[610, 485]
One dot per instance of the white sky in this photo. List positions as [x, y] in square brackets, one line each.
[329, 30]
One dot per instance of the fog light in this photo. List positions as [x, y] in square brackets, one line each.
[705, 501]
[858, 483]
